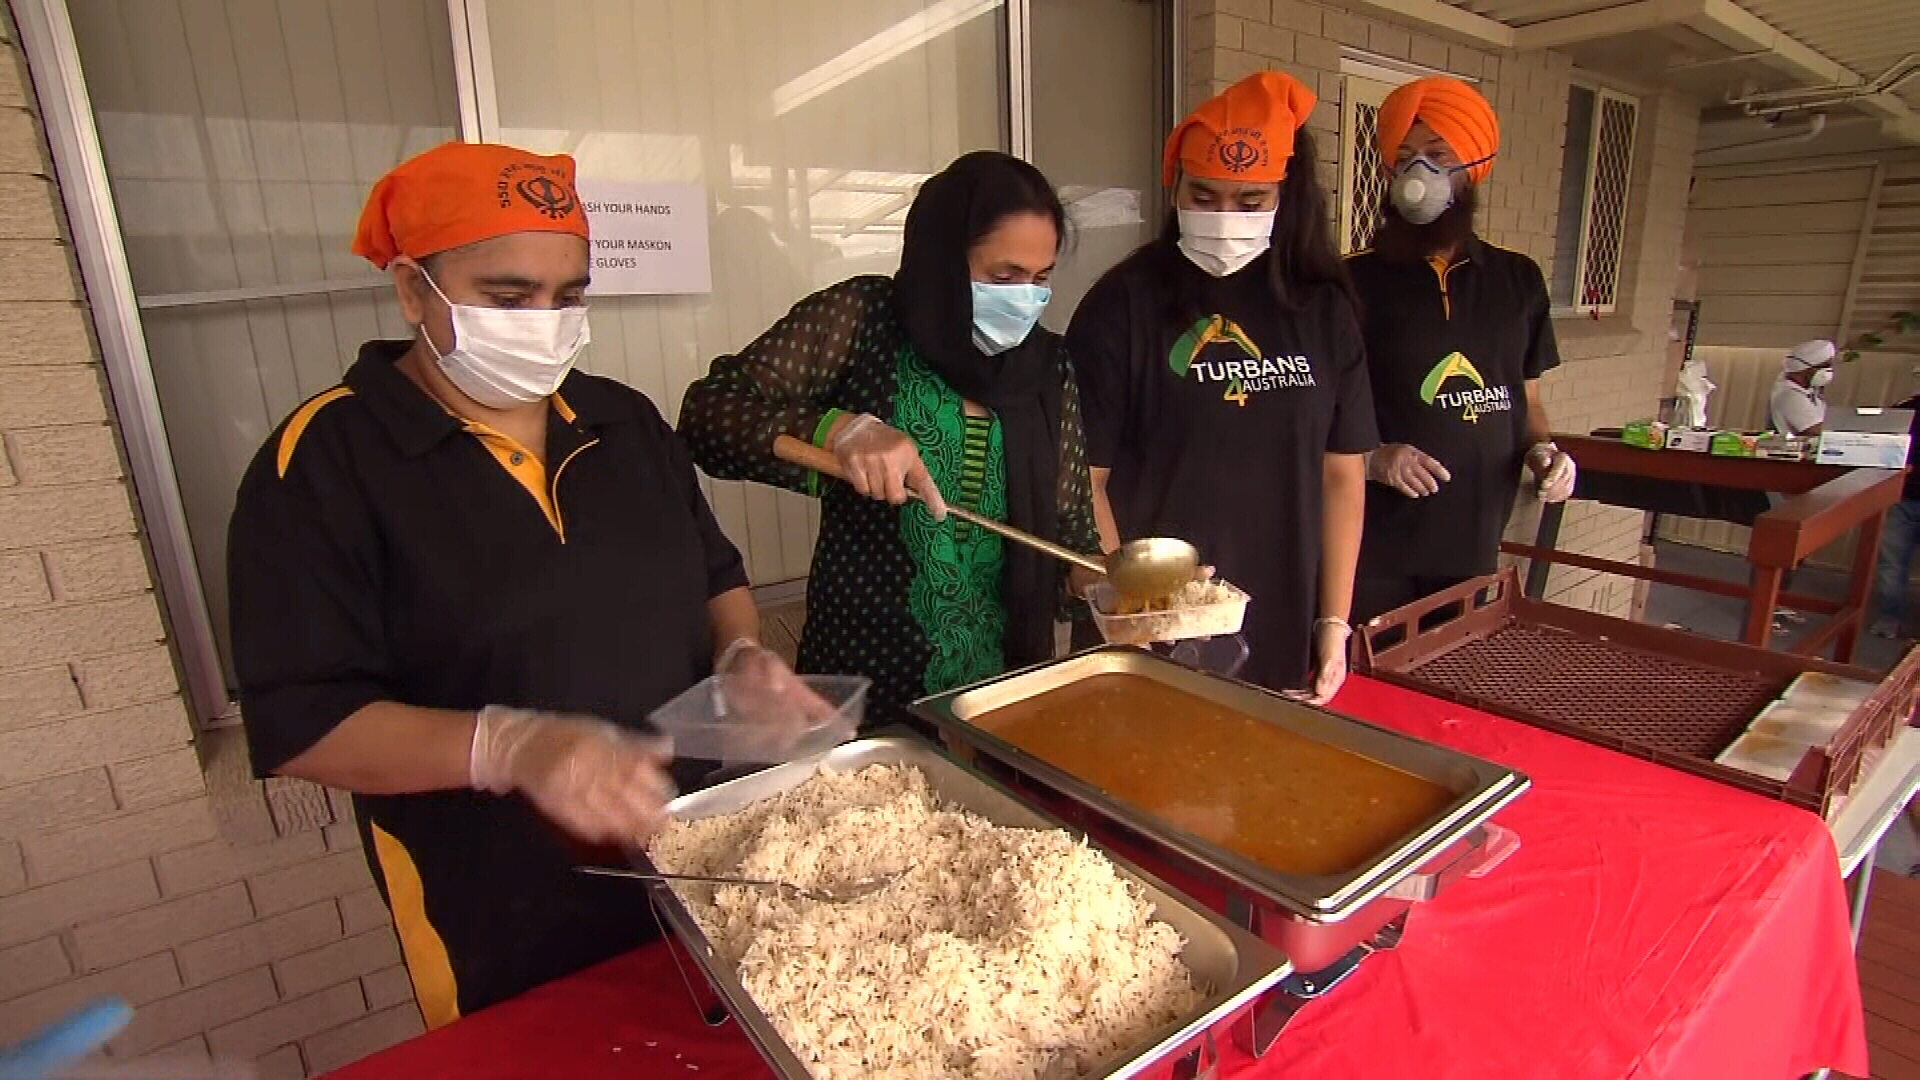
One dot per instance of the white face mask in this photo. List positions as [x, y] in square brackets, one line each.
[1820, 378]
[503, 358]
[1222, 242]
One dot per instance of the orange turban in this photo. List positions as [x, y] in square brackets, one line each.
[462, 193]
[1455, 111]
[1245, 133]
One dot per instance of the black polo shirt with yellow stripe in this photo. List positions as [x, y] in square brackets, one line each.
[1450, 348]
[382, 549]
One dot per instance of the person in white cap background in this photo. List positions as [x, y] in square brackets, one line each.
[1798, 403]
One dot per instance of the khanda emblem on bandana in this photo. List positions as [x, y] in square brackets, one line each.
[1240, 149]
[1471, 401]
[547, 195]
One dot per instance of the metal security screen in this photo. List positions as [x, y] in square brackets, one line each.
[1596, 169]
[1369, 179]
[1363, 176]
[1606, 217]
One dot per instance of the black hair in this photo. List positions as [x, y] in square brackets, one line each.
[1004, 186]
[1303, 256]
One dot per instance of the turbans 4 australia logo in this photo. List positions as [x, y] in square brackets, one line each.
[545, 190]
[1241, 148]
[1241, 375]
[1472, 399]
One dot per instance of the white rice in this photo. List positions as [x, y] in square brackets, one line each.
[1002, 952]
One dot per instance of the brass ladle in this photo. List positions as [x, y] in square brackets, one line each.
[1142, 570]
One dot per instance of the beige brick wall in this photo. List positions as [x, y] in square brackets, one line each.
[116, 876]
[1612, 367]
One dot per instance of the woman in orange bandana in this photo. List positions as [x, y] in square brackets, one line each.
[1224, 389]
[462, 579]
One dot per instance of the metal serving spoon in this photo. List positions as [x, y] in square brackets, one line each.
[826, 894]
[1142, 569]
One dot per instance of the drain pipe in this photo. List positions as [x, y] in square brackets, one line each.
[1816, 124]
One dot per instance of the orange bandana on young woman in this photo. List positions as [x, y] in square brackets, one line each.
[462, 193]
[1243, 134]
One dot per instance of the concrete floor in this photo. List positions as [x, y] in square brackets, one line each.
[1723, 616]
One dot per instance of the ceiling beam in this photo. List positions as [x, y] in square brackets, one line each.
[1605, 23]
[1441, 18]
[1722, 21]
[1742, 31]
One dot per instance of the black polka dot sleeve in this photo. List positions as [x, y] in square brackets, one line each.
[785, 383]
[1077, 529]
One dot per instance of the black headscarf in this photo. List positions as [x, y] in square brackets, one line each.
[933, 296]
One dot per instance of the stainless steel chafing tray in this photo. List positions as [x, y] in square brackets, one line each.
[1232, 966]
[1358, 902]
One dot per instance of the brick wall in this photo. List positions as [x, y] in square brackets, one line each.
[1612, 367]
[115, 874]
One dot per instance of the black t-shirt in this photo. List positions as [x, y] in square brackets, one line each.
[1449, 351]
[1215, 423]
[383, 550]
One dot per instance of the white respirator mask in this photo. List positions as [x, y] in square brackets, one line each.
[504, 358]
[1422, 189]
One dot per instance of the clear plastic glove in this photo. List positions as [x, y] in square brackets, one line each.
[772, 709]
[600, 782]
[1330, 638]
[881, 462]
[1406, 469]
[1554, 470]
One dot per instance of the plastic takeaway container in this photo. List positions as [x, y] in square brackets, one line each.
[721, 719]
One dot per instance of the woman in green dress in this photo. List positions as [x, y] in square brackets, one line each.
[938, 382]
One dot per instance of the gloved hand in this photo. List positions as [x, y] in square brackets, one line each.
[770, 708]
[1554, 470]
[881, 462]
[1330, 636]
[600, 782]
[1406, 469]
[65, 1042]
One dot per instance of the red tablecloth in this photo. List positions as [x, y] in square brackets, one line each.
[1651, 925]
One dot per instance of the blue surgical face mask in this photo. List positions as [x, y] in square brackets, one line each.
[1003, 315]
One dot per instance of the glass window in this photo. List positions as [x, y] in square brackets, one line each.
[240, 140]
[809, 124]
[1098, 129]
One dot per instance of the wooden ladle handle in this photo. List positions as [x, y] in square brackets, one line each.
[807, 456]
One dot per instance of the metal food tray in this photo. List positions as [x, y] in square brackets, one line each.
[1232, 966]
[1480, 787]
[1667, 696]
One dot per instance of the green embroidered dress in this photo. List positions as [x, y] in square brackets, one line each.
[913, 605]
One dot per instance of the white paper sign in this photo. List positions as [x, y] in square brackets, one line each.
[647, 238]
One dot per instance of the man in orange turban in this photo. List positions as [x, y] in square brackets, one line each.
[462, 579]
[1222, 383]
[1458, 333]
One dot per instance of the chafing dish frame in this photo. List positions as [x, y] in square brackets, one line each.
[1233, 966]
[1481, 787]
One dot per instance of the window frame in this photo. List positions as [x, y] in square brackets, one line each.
[1602, 94]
